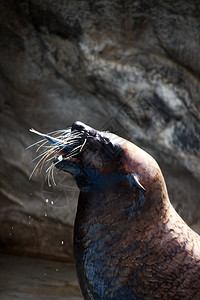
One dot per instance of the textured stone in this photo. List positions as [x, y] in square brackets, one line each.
[28, 278]
[131, 67]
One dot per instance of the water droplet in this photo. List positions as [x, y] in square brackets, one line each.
[47, 200]
[45, 274]
[56, 270]
[62, 242]
[45, 214]
[52, 202]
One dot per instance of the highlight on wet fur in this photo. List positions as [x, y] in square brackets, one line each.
[59, 140]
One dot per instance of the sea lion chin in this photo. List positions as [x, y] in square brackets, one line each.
[129, 242]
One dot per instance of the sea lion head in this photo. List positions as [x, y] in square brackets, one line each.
[103, 162]
[103, 159]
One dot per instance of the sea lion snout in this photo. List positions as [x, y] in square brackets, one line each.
[81, 127]
[78, 126]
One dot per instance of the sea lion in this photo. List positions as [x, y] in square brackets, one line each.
[129, 242]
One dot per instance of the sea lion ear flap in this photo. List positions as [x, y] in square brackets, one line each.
[133, 179]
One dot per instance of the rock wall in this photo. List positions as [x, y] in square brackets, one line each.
[131, 67]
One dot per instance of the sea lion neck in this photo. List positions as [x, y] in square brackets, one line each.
[156, 199]
[123, 202]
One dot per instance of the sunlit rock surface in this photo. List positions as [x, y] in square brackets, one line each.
[131, 67]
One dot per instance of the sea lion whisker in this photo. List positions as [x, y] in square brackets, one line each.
[52, 166]
[65, 134]
[42, 145]
[76, 135]
[74, 151]
[52, 148]
[70, 142]
[68, 157]
[70, 139]
[62, 131]
[65, 145]
[46, 152]
[42, 154]
[79, 146]
[52, 172]
[47, 170]
[34, 144]
[72, 154]
[45, 158]
[30, 146]
[53, 179]
[48, 160]
[67, 142]
[50, 175]
[48, 179]
[83, 145]
[52, 140]
[67, 138]
[36, 166]
[48, 146]
[40, 162]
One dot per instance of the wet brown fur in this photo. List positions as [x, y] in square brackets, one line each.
[157, 246]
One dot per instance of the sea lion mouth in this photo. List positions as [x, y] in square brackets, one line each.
[63, 155]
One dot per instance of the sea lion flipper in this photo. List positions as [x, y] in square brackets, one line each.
[133, 179]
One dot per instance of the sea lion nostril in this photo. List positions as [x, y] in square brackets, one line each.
[78, 126]
[81, 127]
